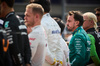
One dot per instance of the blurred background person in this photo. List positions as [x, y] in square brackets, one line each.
[60, 23]
[37, 37]
[90, 26]
[53, 34]
[80, 43]
[97, 13]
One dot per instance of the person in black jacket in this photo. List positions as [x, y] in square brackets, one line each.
[97, 13]
[16, 33]
[90, 26]
[4, 44]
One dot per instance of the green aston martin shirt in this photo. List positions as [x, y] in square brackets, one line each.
[79, 48]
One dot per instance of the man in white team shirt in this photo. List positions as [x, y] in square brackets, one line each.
[53, 34]
[37, 38]
[64, 45]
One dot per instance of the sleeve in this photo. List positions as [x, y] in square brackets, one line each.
[27, 50]
[59, 51]
[25, 40]
[13, 45]
[66, 53]
[49, 57]
[64, 61]
[65, 48]
[93, 52]
[33, 43]
[80, 50]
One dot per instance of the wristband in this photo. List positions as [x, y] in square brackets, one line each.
[54, 61]
[60, 62]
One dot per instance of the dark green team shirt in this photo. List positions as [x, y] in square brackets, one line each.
[79, 48]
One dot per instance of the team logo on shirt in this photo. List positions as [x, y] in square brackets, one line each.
[1, 22]
[55, 32]
[6, 24]
[30, 43]
[32, 39]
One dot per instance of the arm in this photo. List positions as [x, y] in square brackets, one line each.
[49, 57]
[59, 51]
[79, 53]
[33, 44]
[66, 53]
[93, 52]
[25, 42]
[13, 47]
[27, 50]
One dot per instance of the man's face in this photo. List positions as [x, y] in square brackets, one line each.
[86, 23]
[71, 23]
[98, 15]
[29, 17]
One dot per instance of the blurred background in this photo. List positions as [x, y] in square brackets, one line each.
[60, 8]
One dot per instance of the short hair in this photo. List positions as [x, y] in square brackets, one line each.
[77, 16]
[60, 23]
[97, 9]
[91, 16]
[37, 8]
[45, 4]
[10, 3]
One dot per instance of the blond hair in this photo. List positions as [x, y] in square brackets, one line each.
[36, 8]
[91, 16]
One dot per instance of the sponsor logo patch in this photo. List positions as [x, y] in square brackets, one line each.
[6, 24]
[55, 32]
[32, 39]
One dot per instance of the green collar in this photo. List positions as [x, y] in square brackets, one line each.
[77, 30]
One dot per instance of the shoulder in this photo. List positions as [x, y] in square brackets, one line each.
[38, 31]
[48, 20]
[13, 20]
[78, 35]
[81, 36]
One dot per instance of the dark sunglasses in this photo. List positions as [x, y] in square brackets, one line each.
[98, 14]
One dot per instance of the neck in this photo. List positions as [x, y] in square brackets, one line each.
[36, 23]
[6, 11]
[45, 13]
[91, 26]
[88, 28]
[75, 28]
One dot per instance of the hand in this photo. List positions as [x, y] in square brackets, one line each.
[58, 64]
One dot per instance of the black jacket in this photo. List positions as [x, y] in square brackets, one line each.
[18, 39]
[97, 41]
[5, 59]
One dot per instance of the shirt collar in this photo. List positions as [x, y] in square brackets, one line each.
[47, 14]
[9, 14]
[77, 30]
[35, 27]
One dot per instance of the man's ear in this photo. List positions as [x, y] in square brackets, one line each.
[77, 23]
[37, 16]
